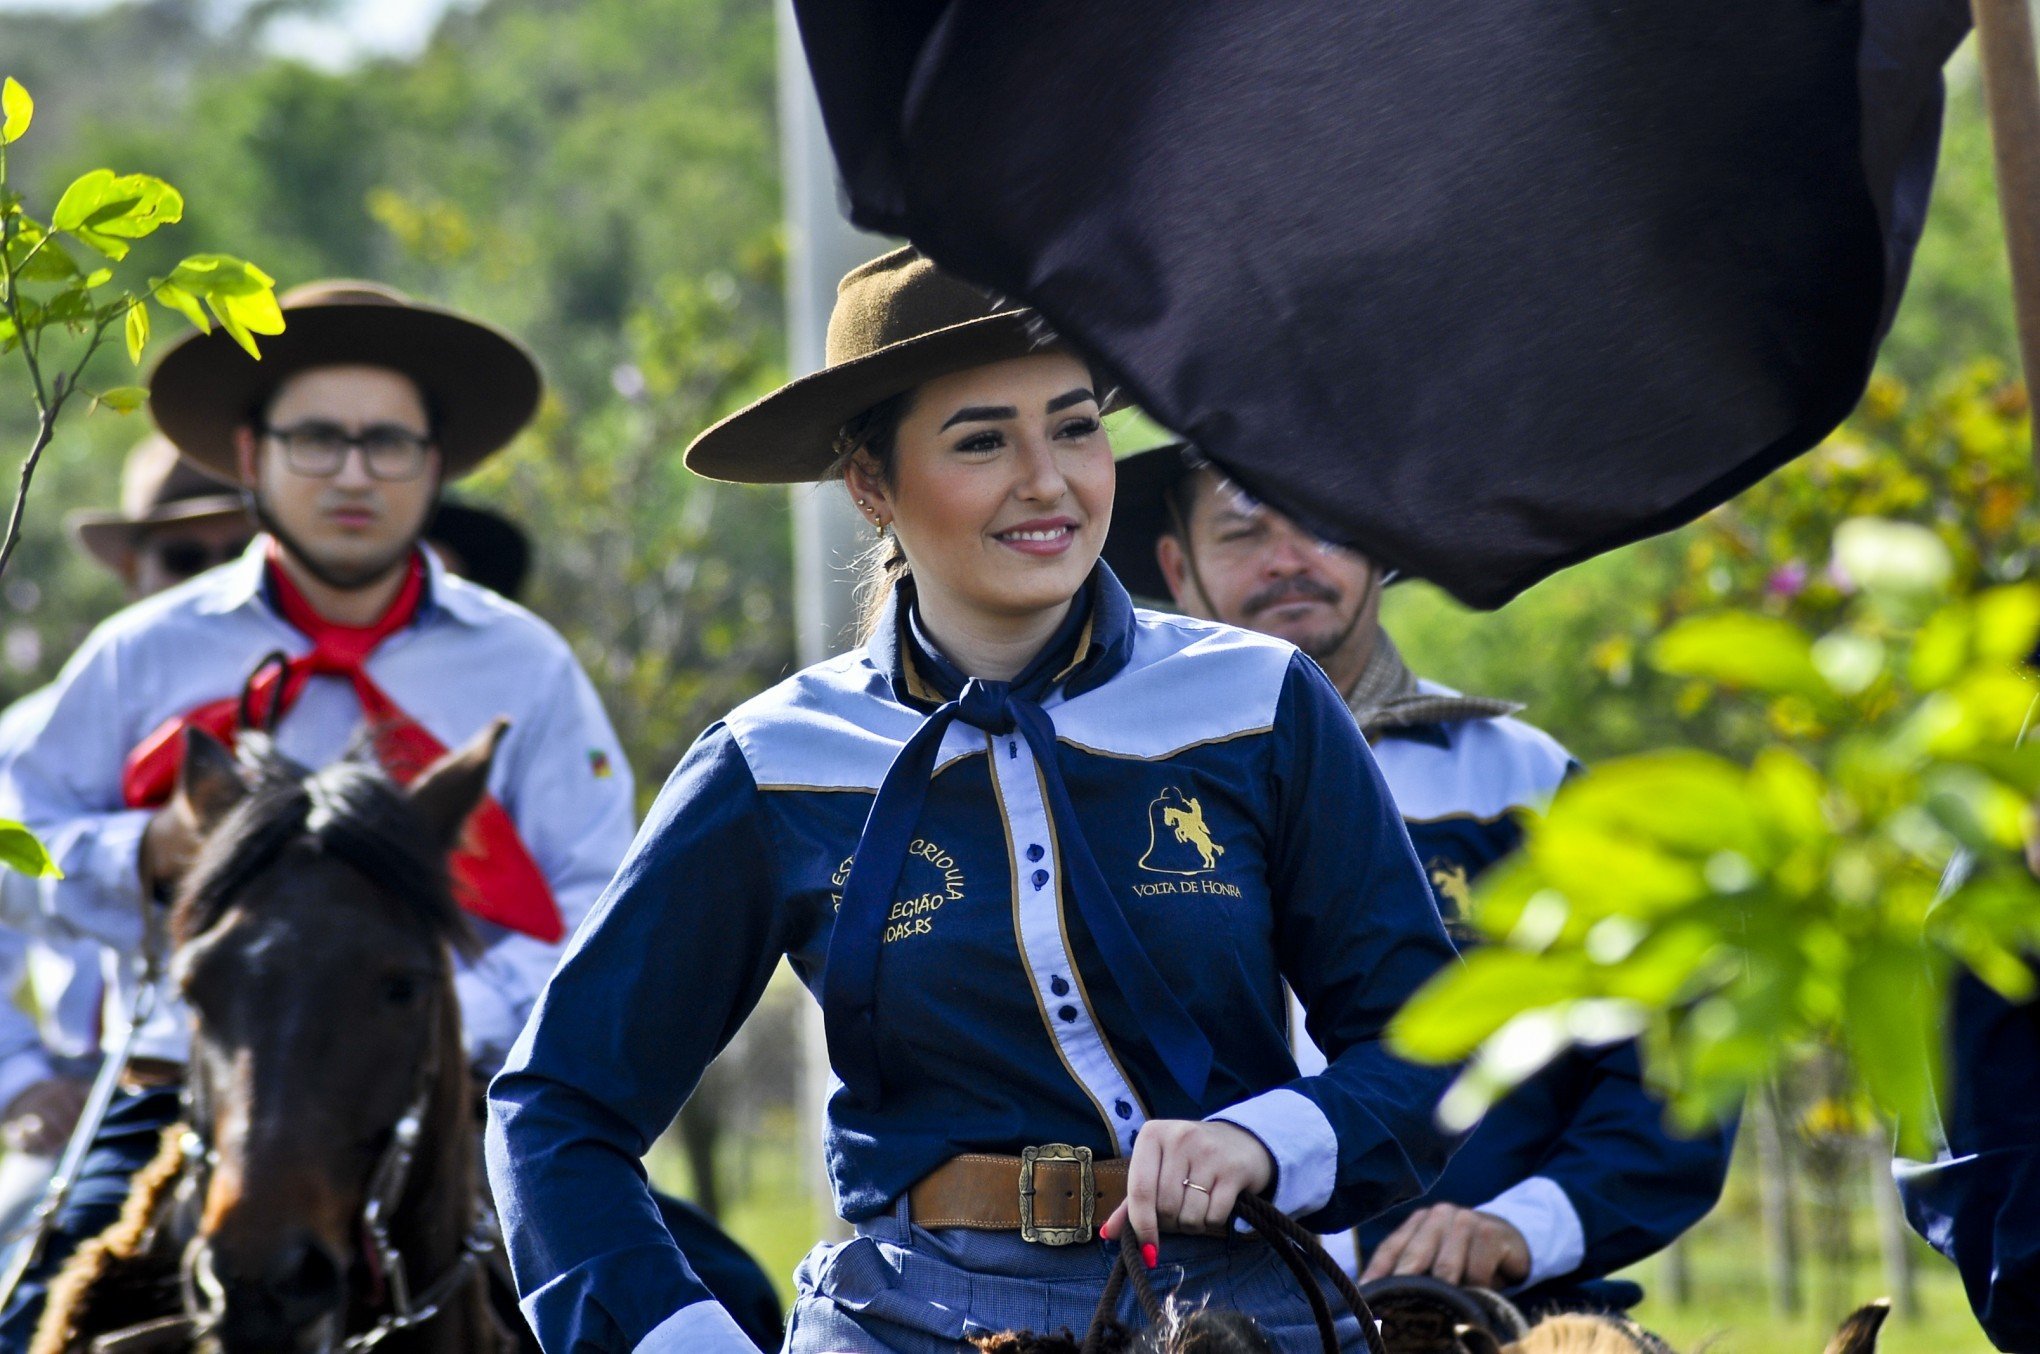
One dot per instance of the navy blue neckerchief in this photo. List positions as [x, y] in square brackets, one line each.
[1093, 643]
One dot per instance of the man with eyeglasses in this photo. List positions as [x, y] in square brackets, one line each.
[341, 438]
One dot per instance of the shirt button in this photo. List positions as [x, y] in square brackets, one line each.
[1035, 852]
[1069, 1014]
[1040, 878]
[1058, 986]
[1122, 1109]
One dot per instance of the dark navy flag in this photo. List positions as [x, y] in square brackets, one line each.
[1482, 286]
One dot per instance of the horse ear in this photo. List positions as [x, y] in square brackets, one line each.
[447, 791]
[1858, 1334]
[209, 784]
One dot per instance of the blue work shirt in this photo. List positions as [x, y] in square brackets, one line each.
[1979, 1205]
[1578, 1159]
[1232, 807]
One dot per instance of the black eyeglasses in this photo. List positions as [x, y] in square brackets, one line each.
[320, 449]
[189, 559]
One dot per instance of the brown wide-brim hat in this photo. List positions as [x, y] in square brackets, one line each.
[482, 385]
[158, 488]
[899, 321]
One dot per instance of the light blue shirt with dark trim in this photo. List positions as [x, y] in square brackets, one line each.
[468, 657]
[1231, 805]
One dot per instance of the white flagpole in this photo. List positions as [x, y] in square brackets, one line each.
[821, 247]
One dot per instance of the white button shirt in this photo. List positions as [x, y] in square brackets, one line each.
[468, 657]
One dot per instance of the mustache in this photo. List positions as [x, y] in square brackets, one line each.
[1297, 589]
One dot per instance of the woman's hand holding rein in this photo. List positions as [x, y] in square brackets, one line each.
[1185, 1176]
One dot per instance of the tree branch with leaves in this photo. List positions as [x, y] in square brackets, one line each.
[57, 314]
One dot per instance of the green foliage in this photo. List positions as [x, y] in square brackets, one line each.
[1731, 912]
[45, 291]
[672, 588]
[46, 295]
[16, 109]
[19, 850]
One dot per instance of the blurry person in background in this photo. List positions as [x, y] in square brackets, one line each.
[173, 523]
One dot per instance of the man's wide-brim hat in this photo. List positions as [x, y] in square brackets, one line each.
[899, 321]
[1140, 515]
[481, 385]
[158, 488]
[493, 550]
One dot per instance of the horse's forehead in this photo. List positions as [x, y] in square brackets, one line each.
[310, 898]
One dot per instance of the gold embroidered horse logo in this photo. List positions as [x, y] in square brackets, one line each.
[1176, 821]
[1449, 878]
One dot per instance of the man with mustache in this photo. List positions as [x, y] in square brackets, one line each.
[1575, 1175]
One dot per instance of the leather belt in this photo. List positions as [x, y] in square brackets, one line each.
[1054, 1195]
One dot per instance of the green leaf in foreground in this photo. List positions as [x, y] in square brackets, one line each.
[16, 111]
[1744, 652]
[109, 211]
[124, 399]
[20, 851]
[137, 330]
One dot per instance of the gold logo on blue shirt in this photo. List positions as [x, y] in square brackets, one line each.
[1455, 894]
[1179, 841]
[931, 878]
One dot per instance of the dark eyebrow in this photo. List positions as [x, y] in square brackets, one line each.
[1077, 396]
[979, 413]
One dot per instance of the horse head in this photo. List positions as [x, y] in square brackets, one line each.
[328, 1096]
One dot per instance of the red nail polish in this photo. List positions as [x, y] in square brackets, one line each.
[1150, 1253]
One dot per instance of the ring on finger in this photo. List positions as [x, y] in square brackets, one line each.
[1188, 1183]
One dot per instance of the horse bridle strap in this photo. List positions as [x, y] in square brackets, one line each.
[203, 1298]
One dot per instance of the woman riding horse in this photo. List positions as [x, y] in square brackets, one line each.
[1047, 1024]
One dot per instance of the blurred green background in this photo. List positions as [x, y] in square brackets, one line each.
[602, 177]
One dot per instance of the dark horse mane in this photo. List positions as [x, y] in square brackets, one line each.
[350, 811]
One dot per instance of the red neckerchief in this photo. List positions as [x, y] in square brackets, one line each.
[494, 876]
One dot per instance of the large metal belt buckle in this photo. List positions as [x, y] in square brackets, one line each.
[1087, 1201]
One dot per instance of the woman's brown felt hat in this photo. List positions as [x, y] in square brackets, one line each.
[482, 385]
[899, 320]
[157, 488]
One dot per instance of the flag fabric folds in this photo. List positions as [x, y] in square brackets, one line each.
[1484, 287]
